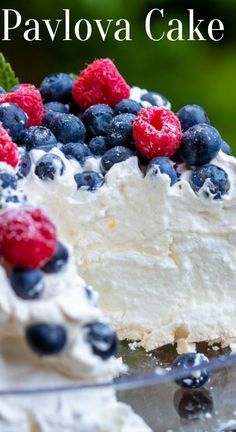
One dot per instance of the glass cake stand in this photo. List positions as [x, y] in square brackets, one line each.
[149, 387]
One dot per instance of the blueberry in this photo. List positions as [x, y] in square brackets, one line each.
[200, 144]
[127, 106]
[49, 116]
[57, 87]
[103, 339]
[58, 261]
[193, 405]
[156, 99]
[163, 165]
[225, 147]
[120, 130]
[114, 156]
[213, 178]
[96, 119]
[2, 90]
[39, 138]
[191, 115]
[25, 163]
[98, 145]
[89, 180]
[48, 166]
[68, 128]
[13, 118]
[7, 180]
[56, 107]
[46, 339]
[27, 284]
[77, 151]
[196, 379]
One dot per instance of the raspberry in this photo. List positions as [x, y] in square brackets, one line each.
[157, 132]
[8, 150]
[27, 237]
[28, 98]
[100, 83]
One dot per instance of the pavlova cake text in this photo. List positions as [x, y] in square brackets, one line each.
[68, 27]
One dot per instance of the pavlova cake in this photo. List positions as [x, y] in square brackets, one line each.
[146, 197]
[52, 332]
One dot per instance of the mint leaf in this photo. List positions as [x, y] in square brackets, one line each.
[7, 76]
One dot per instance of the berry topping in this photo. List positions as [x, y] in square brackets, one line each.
[225, 147]
[39, 137]
[49, 166]
[114, 156]
[57, 87]
[127, 106]
[100, 83]
[162, 165]
[212, 179]
[46, 339]
[102, 339]
[7, 180]
[77, 151]
[56, 107]
[89, 180]
[49, 116]
[58, 261]
[96, 119]
[8, 149]
[13, 119]
[156, 99]
[120, 130]
[191, 115]
[196, 379]
[24, 165]
[200, 144]
[67, 128]
[28, 98]
[27, 284]
[98, 145]
[27, 237]
[157, 132]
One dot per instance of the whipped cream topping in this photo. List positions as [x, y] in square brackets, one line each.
[66, 302]
[161, 257]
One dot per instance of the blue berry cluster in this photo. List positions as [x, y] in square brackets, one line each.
[201, 143]
[107, 133]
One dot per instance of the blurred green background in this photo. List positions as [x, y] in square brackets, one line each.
[185, 72]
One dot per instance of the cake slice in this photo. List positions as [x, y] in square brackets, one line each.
[52, 332]
[147, 199]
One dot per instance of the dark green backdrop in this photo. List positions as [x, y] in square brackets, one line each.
[186, 72]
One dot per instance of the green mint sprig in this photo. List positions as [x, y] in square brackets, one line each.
[7, 76]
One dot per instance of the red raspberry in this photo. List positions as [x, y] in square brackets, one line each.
[27, 237]
[8, 150]
[28, 98]
[102, 83]
[157, 132]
